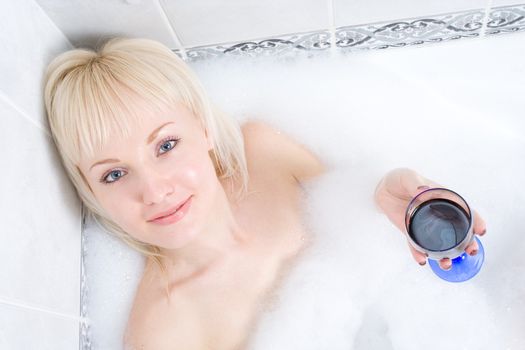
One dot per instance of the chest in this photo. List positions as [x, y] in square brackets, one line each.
[272, 213]
[221, 309]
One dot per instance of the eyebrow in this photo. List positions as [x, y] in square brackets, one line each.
[150, 139]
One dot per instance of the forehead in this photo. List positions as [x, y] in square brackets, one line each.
[147, 116]
[135, 126]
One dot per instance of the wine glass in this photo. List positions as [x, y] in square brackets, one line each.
[439, 223]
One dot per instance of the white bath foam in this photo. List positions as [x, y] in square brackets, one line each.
[467, 149]
[358, 287]
[113, 272]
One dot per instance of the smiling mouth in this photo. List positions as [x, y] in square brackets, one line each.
[171, 213]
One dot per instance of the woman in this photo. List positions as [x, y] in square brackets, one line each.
[213, 206]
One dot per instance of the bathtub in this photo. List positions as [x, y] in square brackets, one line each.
[442, 94]
[451, 111]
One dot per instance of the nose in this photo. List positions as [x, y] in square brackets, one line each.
[155, 189]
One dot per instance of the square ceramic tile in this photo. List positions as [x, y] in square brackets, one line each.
[87, 23]
[40, 215]
[214, 22]
[28, 40]
[356, 12]
[26, 329]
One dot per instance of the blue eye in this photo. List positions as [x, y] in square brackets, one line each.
[113, 176]
[167, 145]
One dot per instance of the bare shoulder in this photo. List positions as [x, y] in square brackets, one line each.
[137, 335]
[279, 149]
[156, 324]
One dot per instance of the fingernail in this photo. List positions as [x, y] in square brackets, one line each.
[422, 263]
[474, 252]
[446, 266]
[483, 232]
[423, 187]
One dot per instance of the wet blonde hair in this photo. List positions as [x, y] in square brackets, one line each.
[92, 94]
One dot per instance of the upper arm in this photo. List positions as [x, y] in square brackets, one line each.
[282, 151]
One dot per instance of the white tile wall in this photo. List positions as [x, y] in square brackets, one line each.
[209, 22]
[86, 22]
[39, 211]
[40, 255]
[354, 12]
[22, 329]
[190, 23]
[28, 40]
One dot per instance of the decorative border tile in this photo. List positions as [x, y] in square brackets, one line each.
[506, 20]
[312, 41]
[85, 342]
[416, 31]
[410, 32]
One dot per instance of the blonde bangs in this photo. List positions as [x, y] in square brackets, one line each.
[104, 102]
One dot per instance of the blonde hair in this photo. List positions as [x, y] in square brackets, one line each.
[87, 98]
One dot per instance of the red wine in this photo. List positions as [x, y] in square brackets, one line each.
[438, 224]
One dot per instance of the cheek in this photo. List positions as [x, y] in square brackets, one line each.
[198, 174]
[118, 204]
[123, 212]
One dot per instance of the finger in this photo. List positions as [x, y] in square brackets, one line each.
[480, 227]
[402, 183]
[420, 189]
[419, 257]
[472, 248]
[445, 264]
[415, 183]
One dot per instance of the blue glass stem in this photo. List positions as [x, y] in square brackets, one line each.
[464, 267]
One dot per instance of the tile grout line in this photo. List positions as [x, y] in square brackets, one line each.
[19, 304]
[24, 115]
[54, 23]
[331, 24]
[488, 6]
[171, 29]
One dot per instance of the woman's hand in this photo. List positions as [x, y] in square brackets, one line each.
[392, 196]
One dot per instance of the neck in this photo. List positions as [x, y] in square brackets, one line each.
[219, 238]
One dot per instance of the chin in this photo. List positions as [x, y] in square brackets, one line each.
[176, 240]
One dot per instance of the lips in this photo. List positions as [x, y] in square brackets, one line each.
[169, 211]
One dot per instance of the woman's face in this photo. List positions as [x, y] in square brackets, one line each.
[163, 163]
